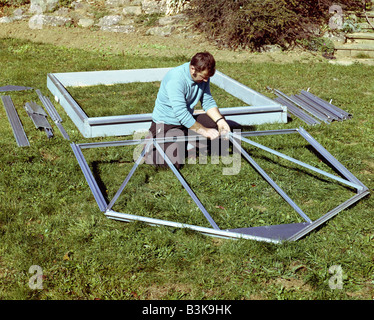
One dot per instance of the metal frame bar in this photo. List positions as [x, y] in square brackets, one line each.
[53, 113]
[332, 108]
[39, 117]
[297, 111]
[329, 113]
[100, 200]
[333, 161]
[305, 165]
[186, 186]
[314, 105]
[317, 113]
[261, 110]
[313, 109]
[145, 150]
[273, 233]
[269, 180]
[227, 234]
[14, 88]
[15, 122]
[328, 216]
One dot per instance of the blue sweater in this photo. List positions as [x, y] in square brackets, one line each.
[178, 95]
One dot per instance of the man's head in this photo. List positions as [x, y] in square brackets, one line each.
[202, 66]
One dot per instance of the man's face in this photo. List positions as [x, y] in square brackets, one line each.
[199, 77]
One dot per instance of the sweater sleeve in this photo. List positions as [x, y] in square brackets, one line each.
[207, 101]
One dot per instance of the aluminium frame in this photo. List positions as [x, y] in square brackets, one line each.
[39, 117]
[258, 108]
[15, 122]
[14, 88]
[271, 233]
[52, 113]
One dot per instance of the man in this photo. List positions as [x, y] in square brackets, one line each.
[181, 90]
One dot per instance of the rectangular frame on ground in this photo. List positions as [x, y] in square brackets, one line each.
[271, 233]
[261, 109]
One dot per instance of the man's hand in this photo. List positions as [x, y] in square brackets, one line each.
[223, 127]
[209, 133]
[216, 116]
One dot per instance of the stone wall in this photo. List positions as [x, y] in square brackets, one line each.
[115, 15]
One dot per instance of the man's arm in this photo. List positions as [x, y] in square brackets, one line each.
[218, 118]
[211, 109]
[209, 133]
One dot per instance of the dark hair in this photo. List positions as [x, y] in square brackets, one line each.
[204, 61]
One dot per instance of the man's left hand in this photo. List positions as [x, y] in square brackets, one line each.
[223, 127]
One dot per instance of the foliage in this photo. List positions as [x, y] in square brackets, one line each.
[148, 20]
[319, 44]
[65, 3]
[255, 23]
[350, 26]
[175, 6]
[13, 2]
[16, 3]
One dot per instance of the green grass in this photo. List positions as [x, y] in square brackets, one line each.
[48, 216]
[118, 99]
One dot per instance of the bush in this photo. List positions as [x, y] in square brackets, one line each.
[13, 2]
[255, 23]
[321, 44]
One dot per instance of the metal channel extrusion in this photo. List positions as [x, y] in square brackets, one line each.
[313, 105]
[15, 122]
[14, 88]
[101, 202]
[297, 112]
[39, 117]
[324, 104]
[53, 113]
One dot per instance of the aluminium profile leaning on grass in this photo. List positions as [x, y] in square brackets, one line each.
[180, 91]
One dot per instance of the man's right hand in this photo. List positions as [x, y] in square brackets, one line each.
[208, 133]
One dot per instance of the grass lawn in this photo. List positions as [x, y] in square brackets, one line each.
[49, 218]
